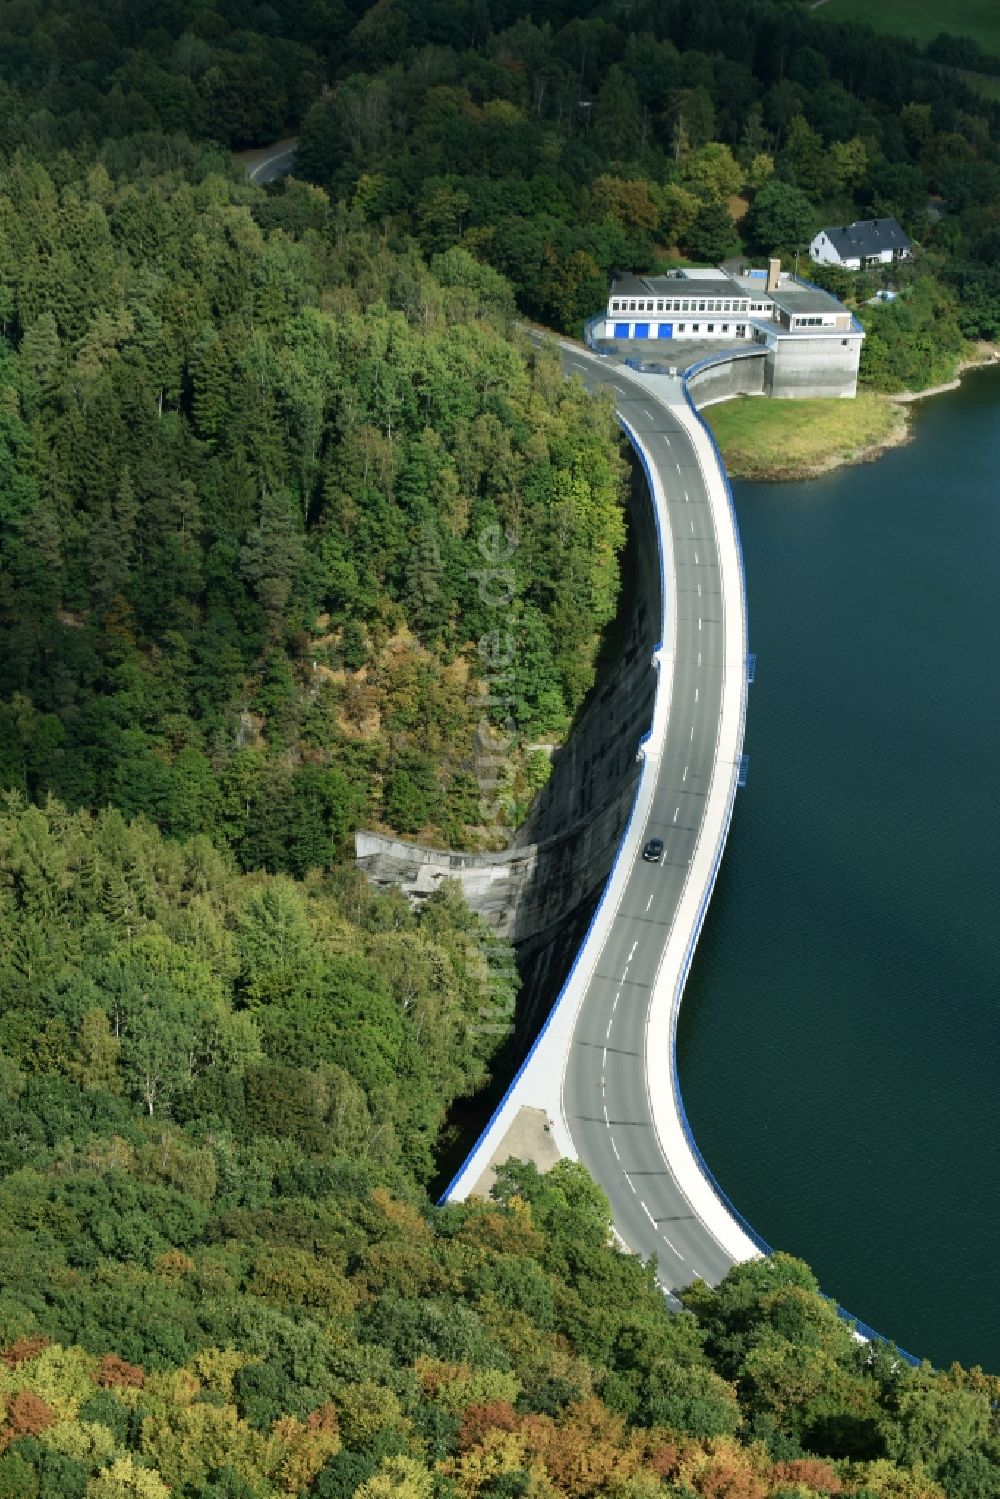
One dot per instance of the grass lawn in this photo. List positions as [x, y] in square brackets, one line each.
[984, 84]
[763, 439]
[922, 20]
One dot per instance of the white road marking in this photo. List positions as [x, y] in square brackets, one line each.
[617, 998]
[692, 528]
[699, 626]
[691, 735]
[614, 1147]
[696, 556]
[649, 1215]
[676, 810]
[696, 690]
[606, 1119]
[607, 1033]
[630, 1181]
[635, 944]
[699, 658]
[649, 903]
[676, 1250]
[685, 775]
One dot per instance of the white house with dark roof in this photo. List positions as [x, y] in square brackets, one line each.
[863, 243]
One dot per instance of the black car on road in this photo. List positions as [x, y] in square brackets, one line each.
[653, 850]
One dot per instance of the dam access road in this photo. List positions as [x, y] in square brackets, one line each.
[603, 1068]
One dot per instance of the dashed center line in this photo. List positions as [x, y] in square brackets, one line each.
[649, 903]
[676, 810]
[685, 775]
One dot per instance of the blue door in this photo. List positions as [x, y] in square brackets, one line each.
[666, 330]
[641, 330]
[621, 330]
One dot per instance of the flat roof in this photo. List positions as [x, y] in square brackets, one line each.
[705, 284]
[801, 299]
[625, 284]
[776, 331]
[701, 286]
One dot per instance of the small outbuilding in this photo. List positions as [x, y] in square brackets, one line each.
[865, 242]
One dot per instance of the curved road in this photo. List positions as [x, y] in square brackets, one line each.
[605, 1101]
[276, 163]
[602, 1069]
[606, 1088]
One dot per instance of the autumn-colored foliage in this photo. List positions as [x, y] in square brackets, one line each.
[477, 1420]
[27, 1415]
[663, 1461]
[173, 1264]
[23, 1350]
[810, 1472]
[115, 1373]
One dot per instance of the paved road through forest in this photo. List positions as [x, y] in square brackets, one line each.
[606, 1089]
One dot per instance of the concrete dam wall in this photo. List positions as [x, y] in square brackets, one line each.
[721, 377]
[536, 892]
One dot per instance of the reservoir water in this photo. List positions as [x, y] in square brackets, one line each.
[840, 1036]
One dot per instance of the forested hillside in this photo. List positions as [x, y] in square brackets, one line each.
[296, 528]
[288, 515]
[220, 1277]
[562, 142]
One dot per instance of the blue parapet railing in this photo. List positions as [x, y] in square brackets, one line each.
[724, 356]
[863, 1329]
[568, 981]
[590, 336]
[812, 285]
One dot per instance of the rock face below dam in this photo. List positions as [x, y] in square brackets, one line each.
[541, 892]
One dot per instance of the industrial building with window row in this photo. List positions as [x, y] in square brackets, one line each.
[811, 341]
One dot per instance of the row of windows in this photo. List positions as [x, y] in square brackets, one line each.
[809, 322]
[687, 304]
[710, 328]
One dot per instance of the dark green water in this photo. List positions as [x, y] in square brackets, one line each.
[840, 1035]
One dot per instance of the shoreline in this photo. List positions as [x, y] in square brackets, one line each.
[987, 354]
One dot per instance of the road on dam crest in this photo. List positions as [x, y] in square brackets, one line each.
[606, 1089]
[603, 1067]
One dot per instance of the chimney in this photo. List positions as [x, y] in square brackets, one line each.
[773, 270]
